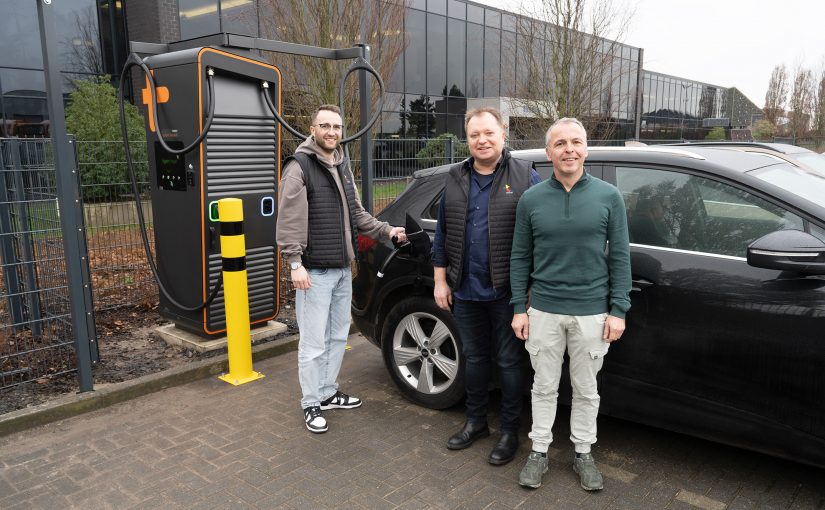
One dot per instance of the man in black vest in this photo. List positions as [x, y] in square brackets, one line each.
[471, 259]
[319, 219]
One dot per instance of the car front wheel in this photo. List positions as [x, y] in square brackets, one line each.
[422, 352]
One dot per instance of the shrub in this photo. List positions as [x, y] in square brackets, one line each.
[93, 117]
[763, 130]
[717, 133]
[435, 151]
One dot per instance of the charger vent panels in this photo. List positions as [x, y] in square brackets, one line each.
[241, 156]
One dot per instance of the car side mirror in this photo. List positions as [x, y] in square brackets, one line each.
[419, 240]
[788, 250]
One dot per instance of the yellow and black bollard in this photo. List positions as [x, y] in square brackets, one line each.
[235, 293]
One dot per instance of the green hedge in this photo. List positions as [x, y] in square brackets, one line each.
[93, 117]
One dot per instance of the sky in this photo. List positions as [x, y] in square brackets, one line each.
[729, 43]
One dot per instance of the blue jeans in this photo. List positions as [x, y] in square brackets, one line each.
[485, 331]
[323, 315]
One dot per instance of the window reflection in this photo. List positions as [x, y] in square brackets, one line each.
[456, 47]
[492, 47]
[436, 56]
[676, 210]
[508, 64]
[198, 18]
[239, 17]
[415, 55]
[457, 9]
[475, 60]
[25, 110]
[19, 30]
[475, 14]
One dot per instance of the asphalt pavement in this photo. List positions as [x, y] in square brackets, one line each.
[208, 444]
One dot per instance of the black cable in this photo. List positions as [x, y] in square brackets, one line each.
[359, 63]
[281, 121]
[154, 103]
[135, 60]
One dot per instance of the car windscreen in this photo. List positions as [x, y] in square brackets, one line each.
[795, 180]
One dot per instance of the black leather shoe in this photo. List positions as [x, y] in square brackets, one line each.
[504, 451]
[468, 433]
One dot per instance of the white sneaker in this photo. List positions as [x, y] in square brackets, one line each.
[315, 420]
[341, 401]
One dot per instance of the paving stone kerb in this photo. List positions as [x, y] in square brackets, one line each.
[208, 444]
[108, 394]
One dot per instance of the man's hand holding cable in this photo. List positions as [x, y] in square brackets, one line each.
[399, 233]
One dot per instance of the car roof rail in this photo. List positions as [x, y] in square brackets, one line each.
[612, 148]
[785, 148]
[650, 148]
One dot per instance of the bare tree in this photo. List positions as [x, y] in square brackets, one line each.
[801, 102]
[819, 108]
[309, 82]
[570, 60]
[777, 95]
[82, 48]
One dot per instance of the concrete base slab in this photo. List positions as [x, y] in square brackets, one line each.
[174, 336]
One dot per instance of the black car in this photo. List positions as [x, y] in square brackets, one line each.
[797, 156]
[725, 339]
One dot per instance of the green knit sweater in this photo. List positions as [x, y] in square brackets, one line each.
[560, 249]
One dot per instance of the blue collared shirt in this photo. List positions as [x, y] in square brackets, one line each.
[476, 284]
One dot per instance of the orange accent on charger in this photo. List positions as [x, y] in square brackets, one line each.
[162, 94]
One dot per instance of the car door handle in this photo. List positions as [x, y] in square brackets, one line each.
[640, 284]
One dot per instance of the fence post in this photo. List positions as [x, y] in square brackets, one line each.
[9, 254]
[449, 150]
[71, 216]
[365, 97]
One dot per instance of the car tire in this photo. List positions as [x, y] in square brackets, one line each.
[422, 352]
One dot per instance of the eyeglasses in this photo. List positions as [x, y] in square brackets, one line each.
[327, 127]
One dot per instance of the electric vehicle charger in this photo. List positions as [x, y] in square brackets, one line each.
[210, 96]
[240, 159]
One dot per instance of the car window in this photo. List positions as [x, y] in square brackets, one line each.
[431, 211]
[817, 232]
[677, 210]
[544, 169]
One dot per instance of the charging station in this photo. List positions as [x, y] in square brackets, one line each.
[213, 127]
[239, 158]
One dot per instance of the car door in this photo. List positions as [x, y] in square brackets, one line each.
[714, 346]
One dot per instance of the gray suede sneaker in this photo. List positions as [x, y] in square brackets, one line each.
[589, 475]
[533, 471]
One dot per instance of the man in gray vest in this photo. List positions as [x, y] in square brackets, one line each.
[319, 219]
[471, 259]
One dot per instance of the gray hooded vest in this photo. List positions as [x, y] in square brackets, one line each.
[325, 239]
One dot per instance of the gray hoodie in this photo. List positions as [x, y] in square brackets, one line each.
[291, 229]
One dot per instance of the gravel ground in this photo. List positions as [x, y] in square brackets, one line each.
[129, 348]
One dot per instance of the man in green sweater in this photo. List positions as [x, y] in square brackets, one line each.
[571, 253]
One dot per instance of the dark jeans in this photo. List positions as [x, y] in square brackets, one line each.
[485, 331]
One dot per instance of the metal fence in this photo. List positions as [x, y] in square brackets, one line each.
[35, 326]
[36, 339]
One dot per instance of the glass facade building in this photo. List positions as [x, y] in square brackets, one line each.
[91, 38]
[458, 55]
[456, 52]
[677, 108]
